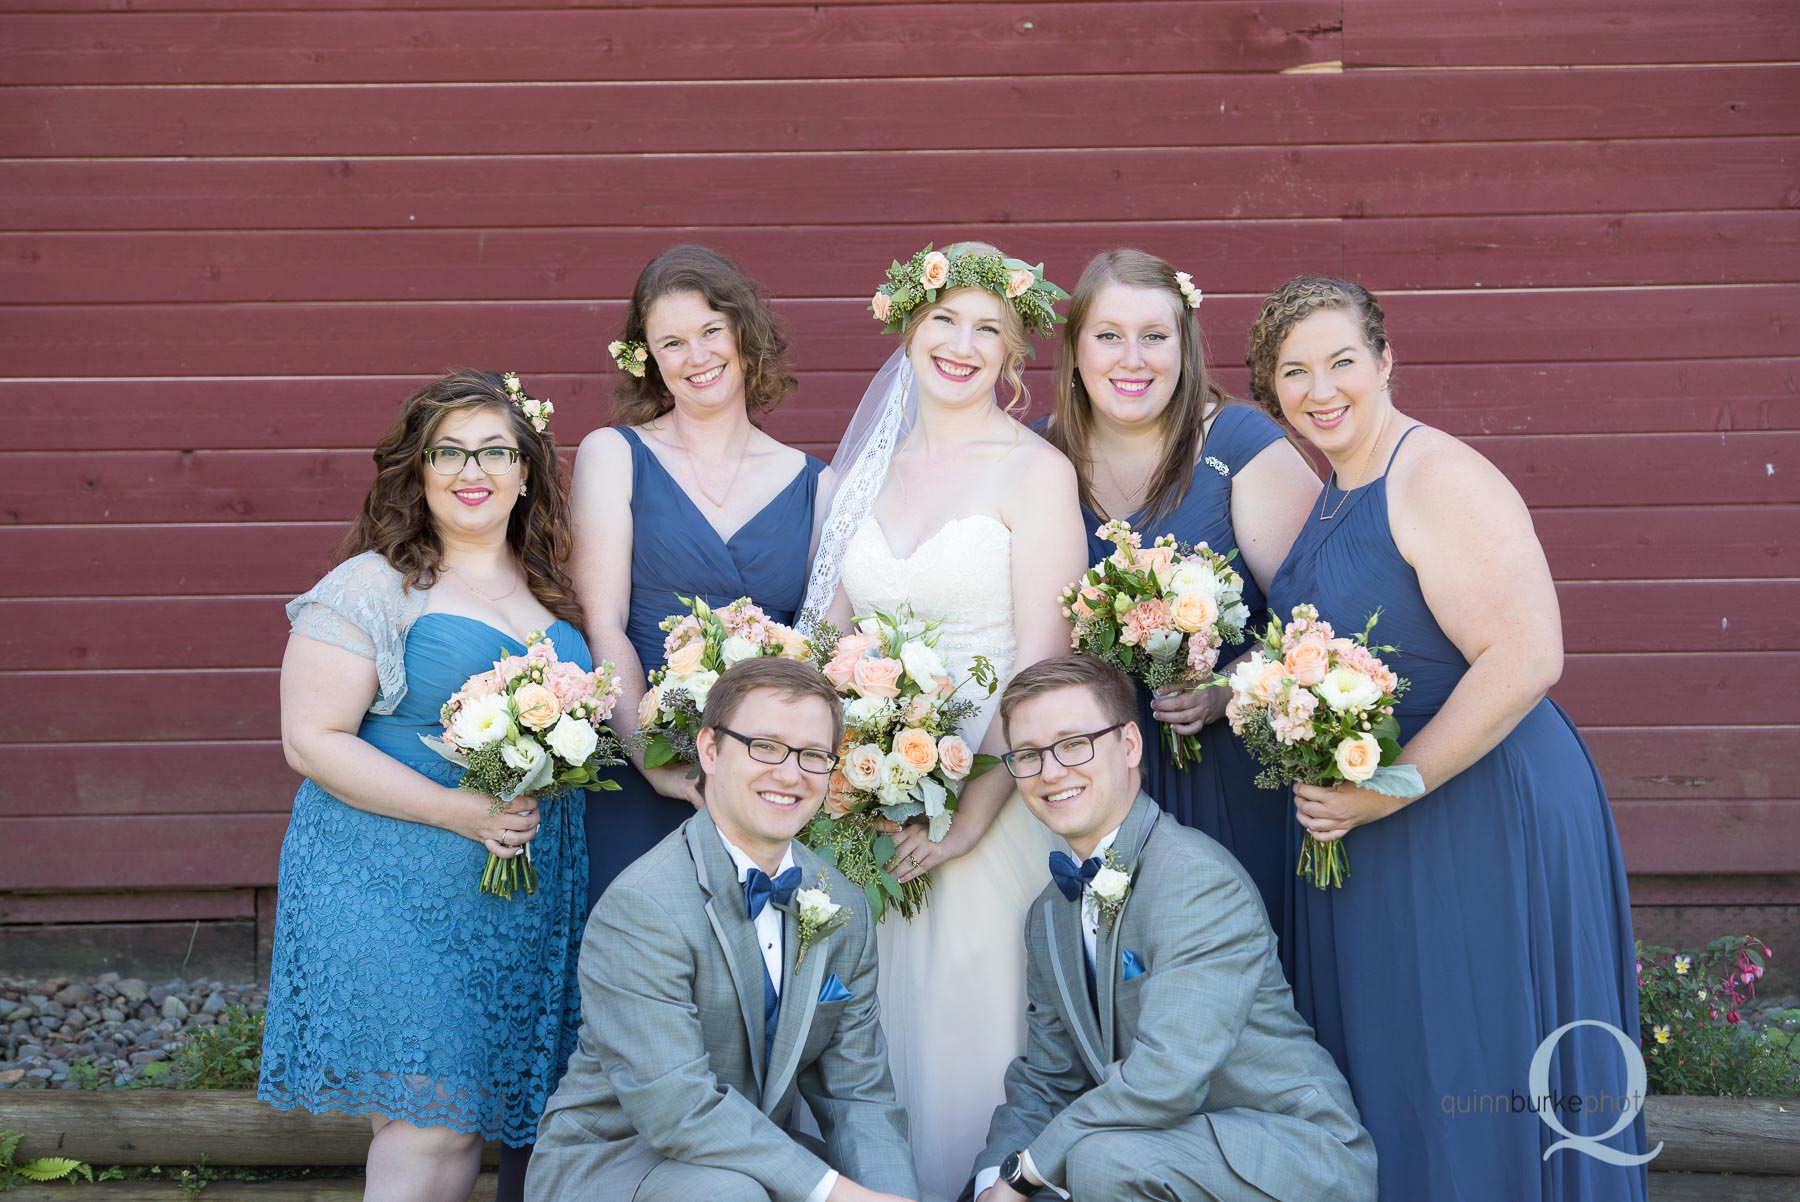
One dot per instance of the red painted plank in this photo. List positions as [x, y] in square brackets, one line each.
[1687, 837]
[286, 486]
[646, 43]
[190, 851]
[1715, 689]
[835, 335]
[1470, 33]
[1680, 615]
[595, 261]
[866, 114]
[58, 634]
[1573, 252]
[1660, 763]
[154, 906]
[952, 187]
[147, 778]
[1698, 543]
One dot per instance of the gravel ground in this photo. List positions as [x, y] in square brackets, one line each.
[121, 1023]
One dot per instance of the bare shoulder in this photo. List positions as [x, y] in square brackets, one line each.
[1437, 469]
[605, 444]
[775, 453]
[1034, 462]
[602, 469]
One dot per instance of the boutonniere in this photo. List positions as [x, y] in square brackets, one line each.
[816, 915]
[1107, 891]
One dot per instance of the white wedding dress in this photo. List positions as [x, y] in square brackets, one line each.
[952, 983]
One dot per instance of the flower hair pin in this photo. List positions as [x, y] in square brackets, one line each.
[1192, 295]
[629, 356]
[920, 279]
[536, 412]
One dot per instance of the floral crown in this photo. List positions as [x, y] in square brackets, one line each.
[629, 356]
[1192, 295]
[536, 412]
[921, 278]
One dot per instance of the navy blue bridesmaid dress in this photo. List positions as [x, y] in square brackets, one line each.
[1475, 922]
[1218, 795]
[675, 552]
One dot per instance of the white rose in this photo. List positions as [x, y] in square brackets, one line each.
[864, 710]
[1346, 689]
[898, 770]
[737, 648]
[698, 685]
[525, 754]
[1194, 577]
[1237, 615]
[573, 739]
[1109, 884]
[897, 781]
[482, 720]
[922, 664]
[1164, 644]
[815, 905]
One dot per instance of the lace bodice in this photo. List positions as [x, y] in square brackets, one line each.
[961, 577]
[363, 605]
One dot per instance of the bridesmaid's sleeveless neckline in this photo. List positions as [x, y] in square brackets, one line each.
[748, 522]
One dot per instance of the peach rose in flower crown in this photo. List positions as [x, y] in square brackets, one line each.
[954, 754]
[1193, 612]
[1358, 758]
[1019, 281]
[877, 676]
[687, 658]
[863, 765]
[1308, 660]
[935, 270]
[878, 305]
[916, 750]
[538, 708]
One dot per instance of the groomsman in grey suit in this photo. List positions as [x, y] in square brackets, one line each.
[708, 1002]
[1164, 1059]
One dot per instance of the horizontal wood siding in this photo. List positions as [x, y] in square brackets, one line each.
[234, 235]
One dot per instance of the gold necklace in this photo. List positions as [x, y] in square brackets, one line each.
[700, 478]
[474, 588]
[1367, 459]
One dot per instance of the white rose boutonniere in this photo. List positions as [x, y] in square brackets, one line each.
[817, 916]
[1108, 890]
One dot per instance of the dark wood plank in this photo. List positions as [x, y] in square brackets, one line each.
[55, 634]
[194, 851]
[159, 905]
[1727, 837]
[65, 707]
[1698, 543]
[1745, 1135]
[1476, 33]
[1648, 469]
[802, 41]
[951, 188]
[94, 779]
[1716, 689]
[1680, 615]
[866, 114]
[1676, 763]
[197, 560]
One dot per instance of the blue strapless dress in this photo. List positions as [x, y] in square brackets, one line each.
[1474, 923]
[675, 553]
[397, 987]
[1218, 795]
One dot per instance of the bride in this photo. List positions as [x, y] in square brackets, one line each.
[945, 502]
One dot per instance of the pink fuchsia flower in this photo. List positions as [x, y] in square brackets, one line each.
[1731, 1017]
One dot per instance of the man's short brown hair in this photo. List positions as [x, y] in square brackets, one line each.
[789, 677]
[1111, 687]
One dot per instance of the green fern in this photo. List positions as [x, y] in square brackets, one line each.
[54, 1168]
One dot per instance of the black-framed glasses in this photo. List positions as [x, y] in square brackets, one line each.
[1071, 752]
[448, 461]
[773, 751]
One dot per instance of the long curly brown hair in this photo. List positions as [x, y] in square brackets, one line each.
[762, 347]
[396, 520]
[1197, 396]
[1293, 303]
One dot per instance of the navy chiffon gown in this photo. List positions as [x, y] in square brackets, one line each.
[675, 552]
[1218, 795]
[1475, 922]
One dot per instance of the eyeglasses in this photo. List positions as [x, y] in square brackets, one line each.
[448, 461]
[1071, 752]
[770, 751]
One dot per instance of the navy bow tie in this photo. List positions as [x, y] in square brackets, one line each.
[759, 890]
[1069, 878]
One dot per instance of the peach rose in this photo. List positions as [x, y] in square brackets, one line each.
[916, 750]
[935, 270]
[1308, 660]
[918, 708]
[842, 670]
[1268, 685]
[946, 688]
[862, 767]
[1160, 561]
[649, 708]
[838, 794]
[687, 658]
[878, 304]
[1089, 597]
[1019, 281]
[538, 706]
[1358, 758]
[856, 644]
[955, 756]
[1193, 612]
[877, 676]
[793, 643]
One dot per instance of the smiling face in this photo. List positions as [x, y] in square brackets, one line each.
[761, 807]
[472, 506]
[1331, 385]
[1128, 353]
[1085, 802]
[696, 351]
[959, 347]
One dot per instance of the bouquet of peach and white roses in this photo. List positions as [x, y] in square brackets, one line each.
[1316, 709]
[902, 757]
[1159, 613]
[532, 723]
[697, 647]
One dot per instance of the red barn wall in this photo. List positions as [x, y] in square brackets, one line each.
[236, 234]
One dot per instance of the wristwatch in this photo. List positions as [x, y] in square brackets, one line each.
[1012, 1170]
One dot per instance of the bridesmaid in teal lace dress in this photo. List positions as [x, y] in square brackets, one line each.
[1483, 916]
[1156, 442]
[398, 990]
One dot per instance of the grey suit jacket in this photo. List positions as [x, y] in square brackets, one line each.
[1208, 1028]
[670, 1062]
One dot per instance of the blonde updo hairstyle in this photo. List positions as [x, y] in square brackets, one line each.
[1293, 303]
[1012, 330]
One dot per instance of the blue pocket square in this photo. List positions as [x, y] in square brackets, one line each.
[833, 990]
[1133, 966]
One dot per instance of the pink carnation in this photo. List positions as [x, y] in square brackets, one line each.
[1144, 619]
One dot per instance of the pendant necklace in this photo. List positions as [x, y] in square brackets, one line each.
[1367, 459]
[477, 590]
[700, 478]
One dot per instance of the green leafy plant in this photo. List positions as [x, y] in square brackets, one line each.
[13, 1173]
[1693, 1035]
[226, 1055]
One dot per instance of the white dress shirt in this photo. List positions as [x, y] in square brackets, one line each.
[1090, 938]
[768, 935]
